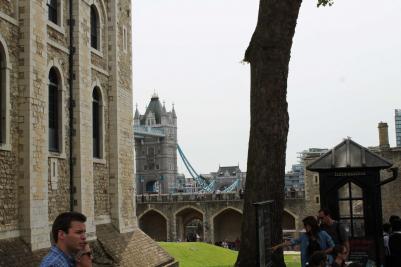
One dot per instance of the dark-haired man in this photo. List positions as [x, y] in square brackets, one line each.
[336, 230]
[394, 244]
[68, 232]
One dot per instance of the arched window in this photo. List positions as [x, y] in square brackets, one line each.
[4, 96]
[54, 111]
[351, 210]
[97, 112]
[52, 7]
[95, 28]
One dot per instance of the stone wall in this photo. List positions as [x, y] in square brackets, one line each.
[391, 192]
[8, 192]
[101, 184]
[58, 162]
[59, 188]
[7, 7]
[9, 152]
[208, 206]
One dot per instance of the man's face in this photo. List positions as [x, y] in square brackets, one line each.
[75, 239]
[324, 218]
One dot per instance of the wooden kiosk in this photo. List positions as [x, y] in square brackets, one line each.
[350, 188]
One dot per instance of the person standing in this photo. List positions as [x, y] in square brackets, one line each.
[336, 230]
[394, 244]
[84, 257]
[313, 240]
[386, 236]
[69, 235]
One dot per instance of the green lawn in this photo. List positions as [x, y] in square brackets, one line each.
[292, 260]
[198, 254]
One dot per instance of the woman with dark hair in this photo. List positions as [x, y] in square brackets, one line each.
[311, 241]
[340, 254]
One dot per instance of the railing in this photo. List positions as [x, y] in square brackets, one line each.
[148, 130]
[188, 197]
[151, 198]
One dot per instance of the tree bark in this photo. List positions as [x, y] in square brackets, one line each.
[269, 55]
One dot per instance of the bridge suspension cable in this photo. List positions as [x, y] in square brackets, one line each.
[206, 186]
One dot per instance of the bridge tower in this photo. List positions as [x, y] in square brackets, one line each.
[156, 148]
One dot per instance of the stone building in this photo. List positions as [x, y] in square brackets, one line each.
[66, 129]
[391, 192]
[156, 149]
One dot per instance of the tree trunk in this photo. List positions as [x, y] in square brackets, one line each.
[269, 55]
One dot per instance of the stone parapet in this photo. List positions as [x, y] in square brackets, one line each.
[168, 198]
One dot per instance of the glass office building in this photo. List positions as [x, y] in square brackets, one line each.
[398, 126]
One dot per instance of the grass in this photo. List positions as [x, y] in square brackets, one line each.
[198, 254]
[292, 260]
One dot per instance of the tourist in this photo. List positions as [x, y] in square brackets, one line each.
[340, 255]
[237, 243]
[318, 259]
[336, 230]
[313, 240]
[68, 232]
[394, 244]
[386, 235]
[84, 257]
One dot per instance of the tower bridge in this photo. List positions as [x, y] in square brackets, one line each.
[156, 147]
[166, 215]
[213, 217]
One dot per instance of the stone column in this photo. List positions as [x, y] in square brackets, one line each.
[33, 123]
[121, 136]
[82, 140]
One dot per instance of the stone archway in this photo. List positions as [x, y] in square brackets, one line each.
[189, 224]
[154, 224]
[227, 226]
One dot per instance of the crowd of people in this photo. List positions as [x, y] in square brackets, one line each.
[324, 237]
[325, 242]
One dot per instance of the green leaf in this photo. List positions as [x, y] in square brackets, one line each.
[325, 3]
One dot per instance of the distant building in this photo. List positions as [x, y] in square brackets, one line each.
[227, 175]
[156, 149]
[294, 185]
[398, 126]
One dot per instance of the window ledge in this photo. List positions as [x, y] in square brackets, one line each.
[97, 52]
[5, 147]
[57, 155]
[99, 161]
[56, 27]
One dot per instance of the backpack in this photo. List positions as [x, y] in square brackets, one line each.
[313, 246]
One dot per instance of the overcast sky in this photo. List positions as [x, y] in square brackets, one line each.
[345, 73]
